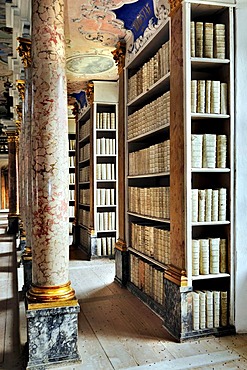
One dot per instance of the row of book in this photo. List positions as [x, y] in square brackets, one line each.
[84, 217]
[71, 211]
[151, 202]
[209, 97]
[72, 161]
[84, 130]
[208, 40]
[208, 205]
[85, 238]
[210, 309]
[84, 174]
[105, 197]
[150, 117]
[105, 171]
[71, 194]
[208, 151]
[105, 145]
[84, 196]
[105, 120]
[152, 241]
[84, 153]
[71, 144]
[147, 278]
[72, 178]
[157, 67]
[154, 159]
[105, 221]
[106, 246]
[209, 256]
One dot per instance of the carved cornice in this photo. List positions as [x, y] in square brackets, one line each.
[90, 92]
[24, 50]
[176, 275]
[119, 55]
[20, 85]
[174, 5]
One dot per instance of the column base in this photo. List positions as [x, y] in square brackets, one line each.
[121, 263]
[13, 224]
[52, 333]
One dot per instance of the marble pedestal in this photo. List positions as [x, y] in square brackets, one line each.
[121, 267]
[13, 224]
[27, 272]
[52, 334]
[177, 310]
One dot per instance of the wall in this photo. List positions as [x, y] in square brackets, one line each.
[241, 168]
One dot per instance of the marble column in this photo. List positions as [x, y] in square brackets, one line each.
[52, 309]
[13, 217]
[25, 155]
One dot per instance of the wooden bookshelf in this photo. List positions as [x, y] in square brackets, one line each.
[148, 125]
[97, 172]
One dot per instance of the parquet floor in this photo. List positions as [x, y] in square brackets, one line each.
[116, 330]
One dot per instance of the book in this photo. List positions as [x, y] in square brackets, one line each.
[209, 309]
[204, 256]
[199, 39]
[223, 256]
[192, 39]
[221, 151]
[223, 308]
[215, 97]
[215, 205]
[201, 92]
[209, 151]
[208, 87]
[208, 40]
[216, 298]
[201, 205]
[219, 41]
[214, 259]
[193, 96]
[194, 205]
[196, 151]
[208, 205]
[202, 309]
[196, 310]
[222, 204]
[195, 257]
[223, 98]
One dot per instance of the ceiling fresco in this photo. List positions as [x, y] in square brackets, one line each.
[92, 30]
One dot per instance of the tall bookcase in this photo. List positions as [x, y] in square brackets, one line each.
[72, 159]
[97, 172]
[179, 185]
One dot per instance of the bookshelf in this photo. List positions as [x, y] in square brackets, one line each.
[97, 172]
[72, 159]
[148, 168]
[179, 166]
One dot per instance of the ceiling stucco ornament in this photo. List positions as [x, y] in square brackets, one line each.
[119, 55]
[90, 92]
[89, 64]
[20, 85]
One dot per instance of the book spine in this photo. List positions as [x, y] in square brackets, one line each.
[208, 40]
[214, 246]
[192, 39]
[199, 39]
[204, 256]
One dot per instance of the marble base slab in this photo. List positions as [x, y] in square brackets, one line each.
[52, 334]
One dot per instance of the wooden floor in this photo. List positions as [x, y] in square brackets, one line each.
[116, 330]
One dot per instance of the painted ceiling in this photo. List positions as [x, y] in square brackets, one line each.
[92, 31]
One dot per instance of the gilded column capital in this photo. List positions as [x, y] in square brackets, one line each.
[24, 50]
[119, 55]
[174, 5]
[90, 92]
[20, 85]
[12, 136]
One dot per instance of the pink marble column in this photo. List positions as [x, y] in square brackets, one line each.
[50, 176]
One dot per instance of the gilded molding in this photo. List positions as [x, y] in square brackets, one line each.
[121, 245]
[176, 275]
[90, 92]
[38, 306]
[44, 294]
[119, 55]
[20, 85]
[24, 50]
[12, 137]
[174, 5]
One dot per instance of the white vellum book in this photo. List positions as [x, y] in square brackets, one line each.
[222, 204]
[201, 205]
[209, 309]
[204, 256]
[202, 308]
[214, 247]
[223, 256]
[216, 308]
[194, 205]
[196, 151]
[195, 311]
[208, 205]
[195, 257]
[98, 246]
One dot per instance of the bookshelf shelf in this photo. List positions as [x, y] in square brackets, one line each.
[160, 174]
[97, 164]
[208, 115]
[147, 258]
[211, 223]
[163, 220]
[208, 170]
[210, 276]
